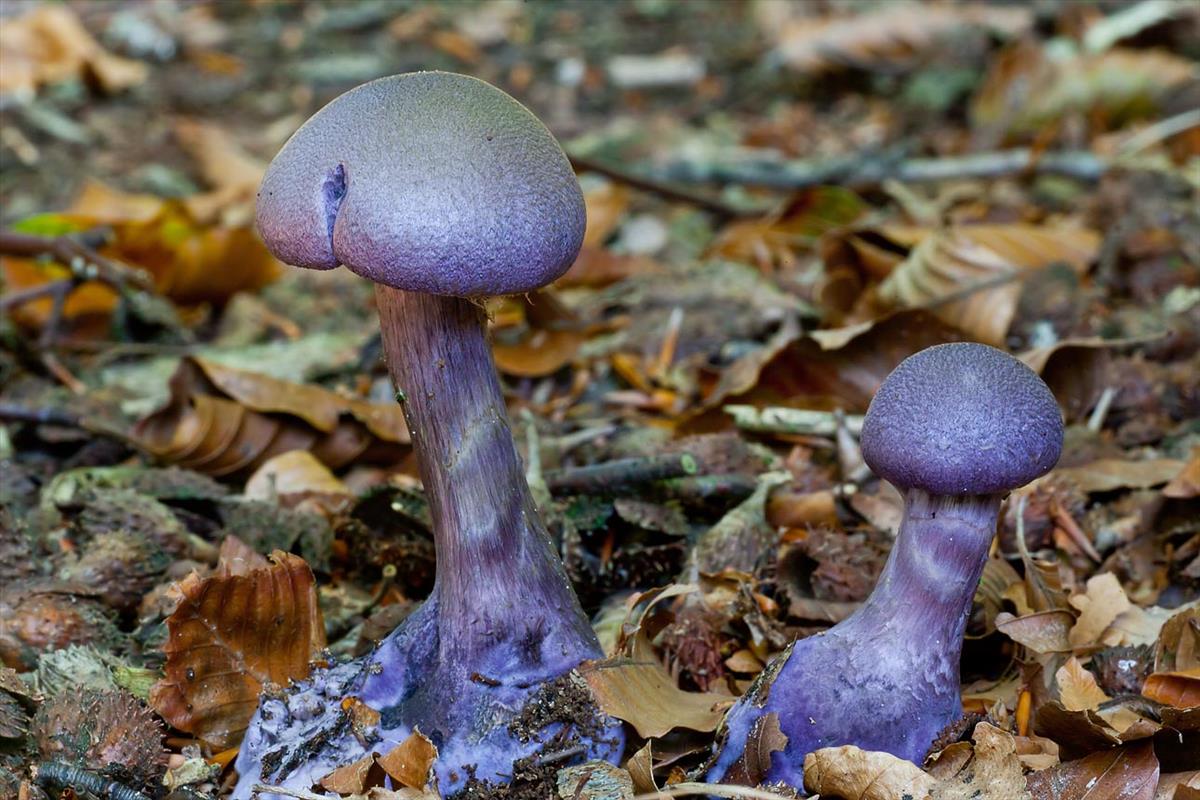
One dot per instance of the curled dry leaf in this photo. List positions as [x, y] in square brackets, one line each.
[230, 637]
[853, 774]
[771, 243]
[1111, 474]
[549, 341]
[1124, 773]
[48, 44]
[834, 368]
[1176, 678]
[969, 275]
[1028, 89]
[189, 261]
[1077, 688]
[1102, 602]
[1076, 370]
[644, 695]
[1042, 631]
[224, 421]
[884, 38]
[1186, 484]
[292, 473]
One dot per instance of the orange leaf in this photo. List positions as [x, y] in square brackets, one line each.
[969, 276]
[230, 637]
[1179, 689]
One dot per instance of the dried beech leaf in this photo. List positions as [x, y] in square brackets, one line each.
[49, 44]
[993, 774]
[960, 273]
[1099, 606]
[294, 472]
[1028, 89]
[606, 204]
[230, 637]
[1125, 773]
[772, 242]
[1111, 474]
[1186, 484]
[351, 778]
[765, 738]
[644, 695]
[886, 37]
[1178, 689]
[1042, 631]
[1077, 688]
[828, 368]
[410, 763]
[1178, 645]
[853, 774]
[226, 421]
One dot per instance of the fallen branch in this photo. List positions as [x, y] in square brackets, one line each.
[869, 170]
[625, 473]
[77, 253]
[794, 421]
[663, 189]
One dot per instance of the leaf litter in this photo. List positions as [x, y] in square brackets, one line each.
[738, 326]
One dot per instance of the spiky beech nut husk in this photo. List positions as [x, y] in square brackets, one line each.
[119, 567]
[123, 510]
[36, 617]
[76, 668]
[16, 551]
[110, 731]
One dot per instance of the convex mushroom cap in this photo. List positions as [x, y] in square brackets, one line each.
[961, 419]
[427, 182]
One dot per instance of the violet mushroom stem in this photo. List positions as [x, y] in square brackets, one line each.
[923, 596]
[497, 569]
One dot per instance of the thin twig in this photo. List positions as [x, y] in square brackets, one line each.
[791, 420]
[1163, 129]
[868, 170]
[662, 189]
[624, 473]
[712, 790]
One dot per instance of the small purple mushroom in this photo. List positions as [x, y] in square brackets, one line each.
[954, 427]
[441, 189]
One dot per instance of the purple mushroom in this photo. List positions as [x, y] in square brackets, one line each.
[954, 427]
[442, 189]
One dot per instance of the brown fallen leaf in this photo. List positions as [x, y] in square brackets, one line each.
[1077, 688]
[292, 473]
[854, 774]
[969, 276]
[230, 637]
[1028, 88]
[1186, 484]
[646, 697]
[1042, 631]
[1178, 689]
[410, 763]
[993, 773]
[189, 261]
[885, 38]
[226, 421]
[772, 242]
[49, 44]
[1102, 602]
[1111, 474]
[1124, 773]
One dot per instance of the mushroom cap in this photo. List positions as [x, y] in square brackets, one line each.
[961, 419]
[428, 182]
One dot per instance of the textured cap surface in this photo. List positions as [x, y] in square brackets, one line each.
[429, 182]
[962, 419]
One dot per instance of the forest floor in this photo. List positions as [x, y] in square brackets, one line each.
[785, 200]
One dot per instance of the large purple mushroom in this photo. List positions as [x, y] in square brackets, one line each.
[955, 428]
[442, 189]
